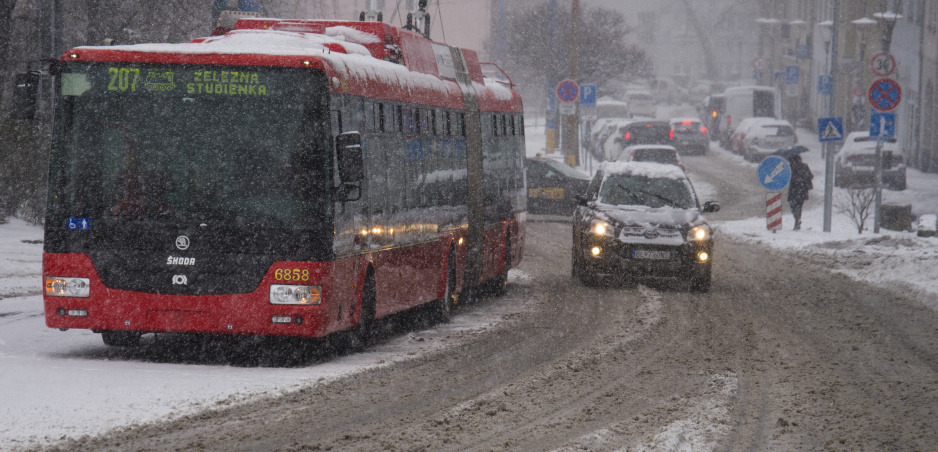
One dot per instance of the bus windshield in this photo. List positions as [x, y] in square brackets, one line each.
[181, 145]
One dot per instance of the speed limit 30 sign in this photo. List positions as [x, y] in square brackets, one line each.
[883, 64]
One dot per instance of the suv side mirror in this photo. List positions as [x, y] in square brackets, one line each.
[581, 200]
[711, 206]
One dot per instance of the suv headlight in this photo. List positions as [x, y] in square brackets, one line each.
[301, 295]
[699, 233]
[600, 227]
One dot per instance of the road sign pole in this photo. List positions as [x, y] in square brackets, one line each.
[829, 147]
[878, 201]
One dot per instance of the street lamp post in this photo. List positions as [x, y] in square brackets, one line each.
[862, 24]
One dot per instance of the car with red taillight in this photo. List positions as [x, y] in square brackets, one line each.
[690, 136]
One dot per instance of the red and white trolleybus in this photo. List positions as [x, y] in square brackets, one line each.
[286, 177]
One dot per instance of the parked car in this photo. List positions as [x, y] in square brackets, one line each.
[602, 129]
[637, 132]
[641, 103]
[855, 163]
[690, 135]
[607, 107]
[738, 137]
[765, 136]
[553, 186]
[642, 220]
[659, 153]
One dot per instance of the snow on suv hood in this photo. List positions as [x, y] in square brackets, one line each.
[649, 216]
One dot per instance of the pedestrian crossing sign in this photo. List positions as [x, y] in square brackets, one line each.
[830, 129]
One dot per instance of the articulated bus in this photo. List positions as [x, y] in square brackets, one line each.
[284, 178]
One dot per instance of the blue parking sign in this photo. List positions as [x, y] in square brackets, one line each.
[588, 96]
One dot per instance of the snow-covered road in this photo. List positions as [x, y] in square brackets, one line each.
[56, 384]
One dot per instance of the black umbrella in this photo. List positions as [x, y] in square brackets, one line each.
[789, 151]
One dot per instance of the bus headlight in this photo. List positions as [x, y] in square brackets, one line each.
[60, 286]
[699, 233]
[301, 295]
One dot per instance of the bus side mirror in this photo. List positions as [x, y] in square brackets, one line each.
[348, 151]
[25, 90]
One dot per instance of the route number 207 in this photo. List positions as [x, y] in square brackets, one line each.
[121, 79]
[291, 274]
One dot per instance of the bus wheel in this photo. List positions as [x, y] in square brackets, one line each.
[121, 338]
[500, 282]
[360, 335]
[443, 310]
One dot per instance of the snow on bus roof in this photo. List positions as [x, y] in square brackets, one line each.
[646, 169]
[351, 35]
[267, 42]
[358, 62]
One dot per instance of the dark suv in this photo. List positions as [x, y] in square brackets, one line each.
[642, 220]
[647, 132]
[640, 132]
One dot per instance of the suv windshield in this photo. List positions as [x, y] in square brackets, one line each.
[173, 145]
[631, 190]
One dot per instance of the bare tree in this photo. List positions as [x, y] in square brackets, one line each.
[605, 55]
[856, 204]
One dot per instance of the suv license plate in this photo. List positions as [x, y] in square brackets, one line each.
[651, 254]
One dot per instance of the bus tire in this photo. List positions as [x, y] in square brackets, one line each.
[117, 338]
[361, 334]
[443, 310]
[500, 282]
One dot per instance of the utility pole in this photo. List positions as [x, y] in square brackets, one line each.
[571, 133]
[832, 108]
[551, 124]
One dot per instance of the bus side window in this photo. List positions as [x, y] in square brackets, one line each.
[380, 123]
[495, 125]
[336, 118]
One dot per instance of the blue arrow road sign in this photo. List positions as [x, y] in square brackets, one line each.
[882, 125]
[774, 173]
[588, 96]
[830, 129]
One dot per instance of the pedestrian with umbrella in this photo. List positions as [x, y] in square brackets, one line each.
[800, 183]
